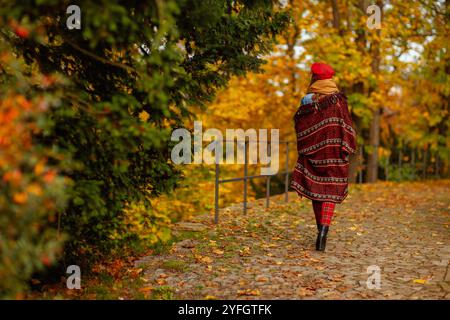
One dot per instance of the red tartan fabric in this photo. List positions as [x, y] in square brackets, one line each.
[325, 138]
[323, 211]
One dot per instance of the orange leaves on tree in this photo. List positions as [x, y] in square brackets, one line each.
[20, 197]
[13, 177]
[49, 176]
[31, 192]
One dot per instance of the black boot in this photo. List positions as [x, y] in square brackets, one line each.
[321, 241]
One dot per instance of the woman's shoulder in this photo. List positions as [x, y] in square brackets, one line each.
[311, 97]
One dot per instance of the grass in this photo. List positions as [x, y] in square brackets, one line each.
[163, 293]
[198, 290]
[161, 248]
[100, 292]
[105, 287]
[177, 265]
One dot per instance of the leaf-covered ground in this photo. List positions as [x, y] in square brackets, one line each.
[403, 228]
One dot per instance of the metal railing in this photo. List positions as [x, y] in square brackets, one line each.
[246, 177]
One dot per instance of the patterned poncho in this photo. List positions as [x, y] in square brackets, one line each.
[325, 138]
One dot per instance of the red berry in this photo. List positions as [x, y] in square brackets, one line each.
[46, 260]
[21, 32]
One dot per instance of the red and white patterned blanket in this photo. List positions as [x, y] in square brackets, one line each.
[325, 138]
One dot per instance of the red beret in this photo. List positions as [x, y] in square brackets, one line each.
[322, 71]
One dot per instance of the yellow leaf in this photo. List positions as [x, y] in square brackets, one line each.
[421, 281]
[205, 259]
[249, 292]
[35, 189]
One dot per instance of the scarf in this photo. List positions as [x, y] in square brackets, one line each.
[327, 86]
[325, 138]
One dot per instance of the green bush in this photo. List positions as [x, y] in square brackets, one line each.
[406, 172]
[32, 192]
[97, 85]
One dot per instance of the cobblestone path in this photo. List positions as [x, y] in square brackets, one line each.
[400, 228]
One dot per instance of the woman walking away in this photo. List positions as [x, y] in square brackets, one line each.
[325, 139]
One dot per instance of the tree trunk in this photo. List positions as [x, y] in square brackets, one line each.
[386, 169]
[374, 136]
[337, 17]
[354, 161]
[374, 141]
[291, 42]
[436, 165]
[425, 163]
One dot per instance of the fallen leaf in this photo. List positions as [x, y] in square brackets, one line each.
[206, 259]
[305, 292]
[249, 292]
[420, 281]
[262, 279]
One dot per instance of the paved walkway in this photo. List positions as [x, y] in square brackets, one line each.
[269, 254]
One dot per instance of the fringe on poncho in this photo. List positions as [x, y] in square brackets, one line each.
[325, 139]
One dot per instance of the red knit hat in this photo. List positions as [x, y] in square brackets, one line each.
[322, 71]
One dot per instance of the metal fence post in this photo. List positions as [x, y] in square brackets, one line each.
[360, 173]
[268, 179]
[245, 175]
[286, 180]
[267, 191]
[216, 195]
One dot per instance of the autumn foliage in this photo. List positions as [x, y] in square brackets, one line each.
[86, 120]
[32, 191]
[78, 160]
